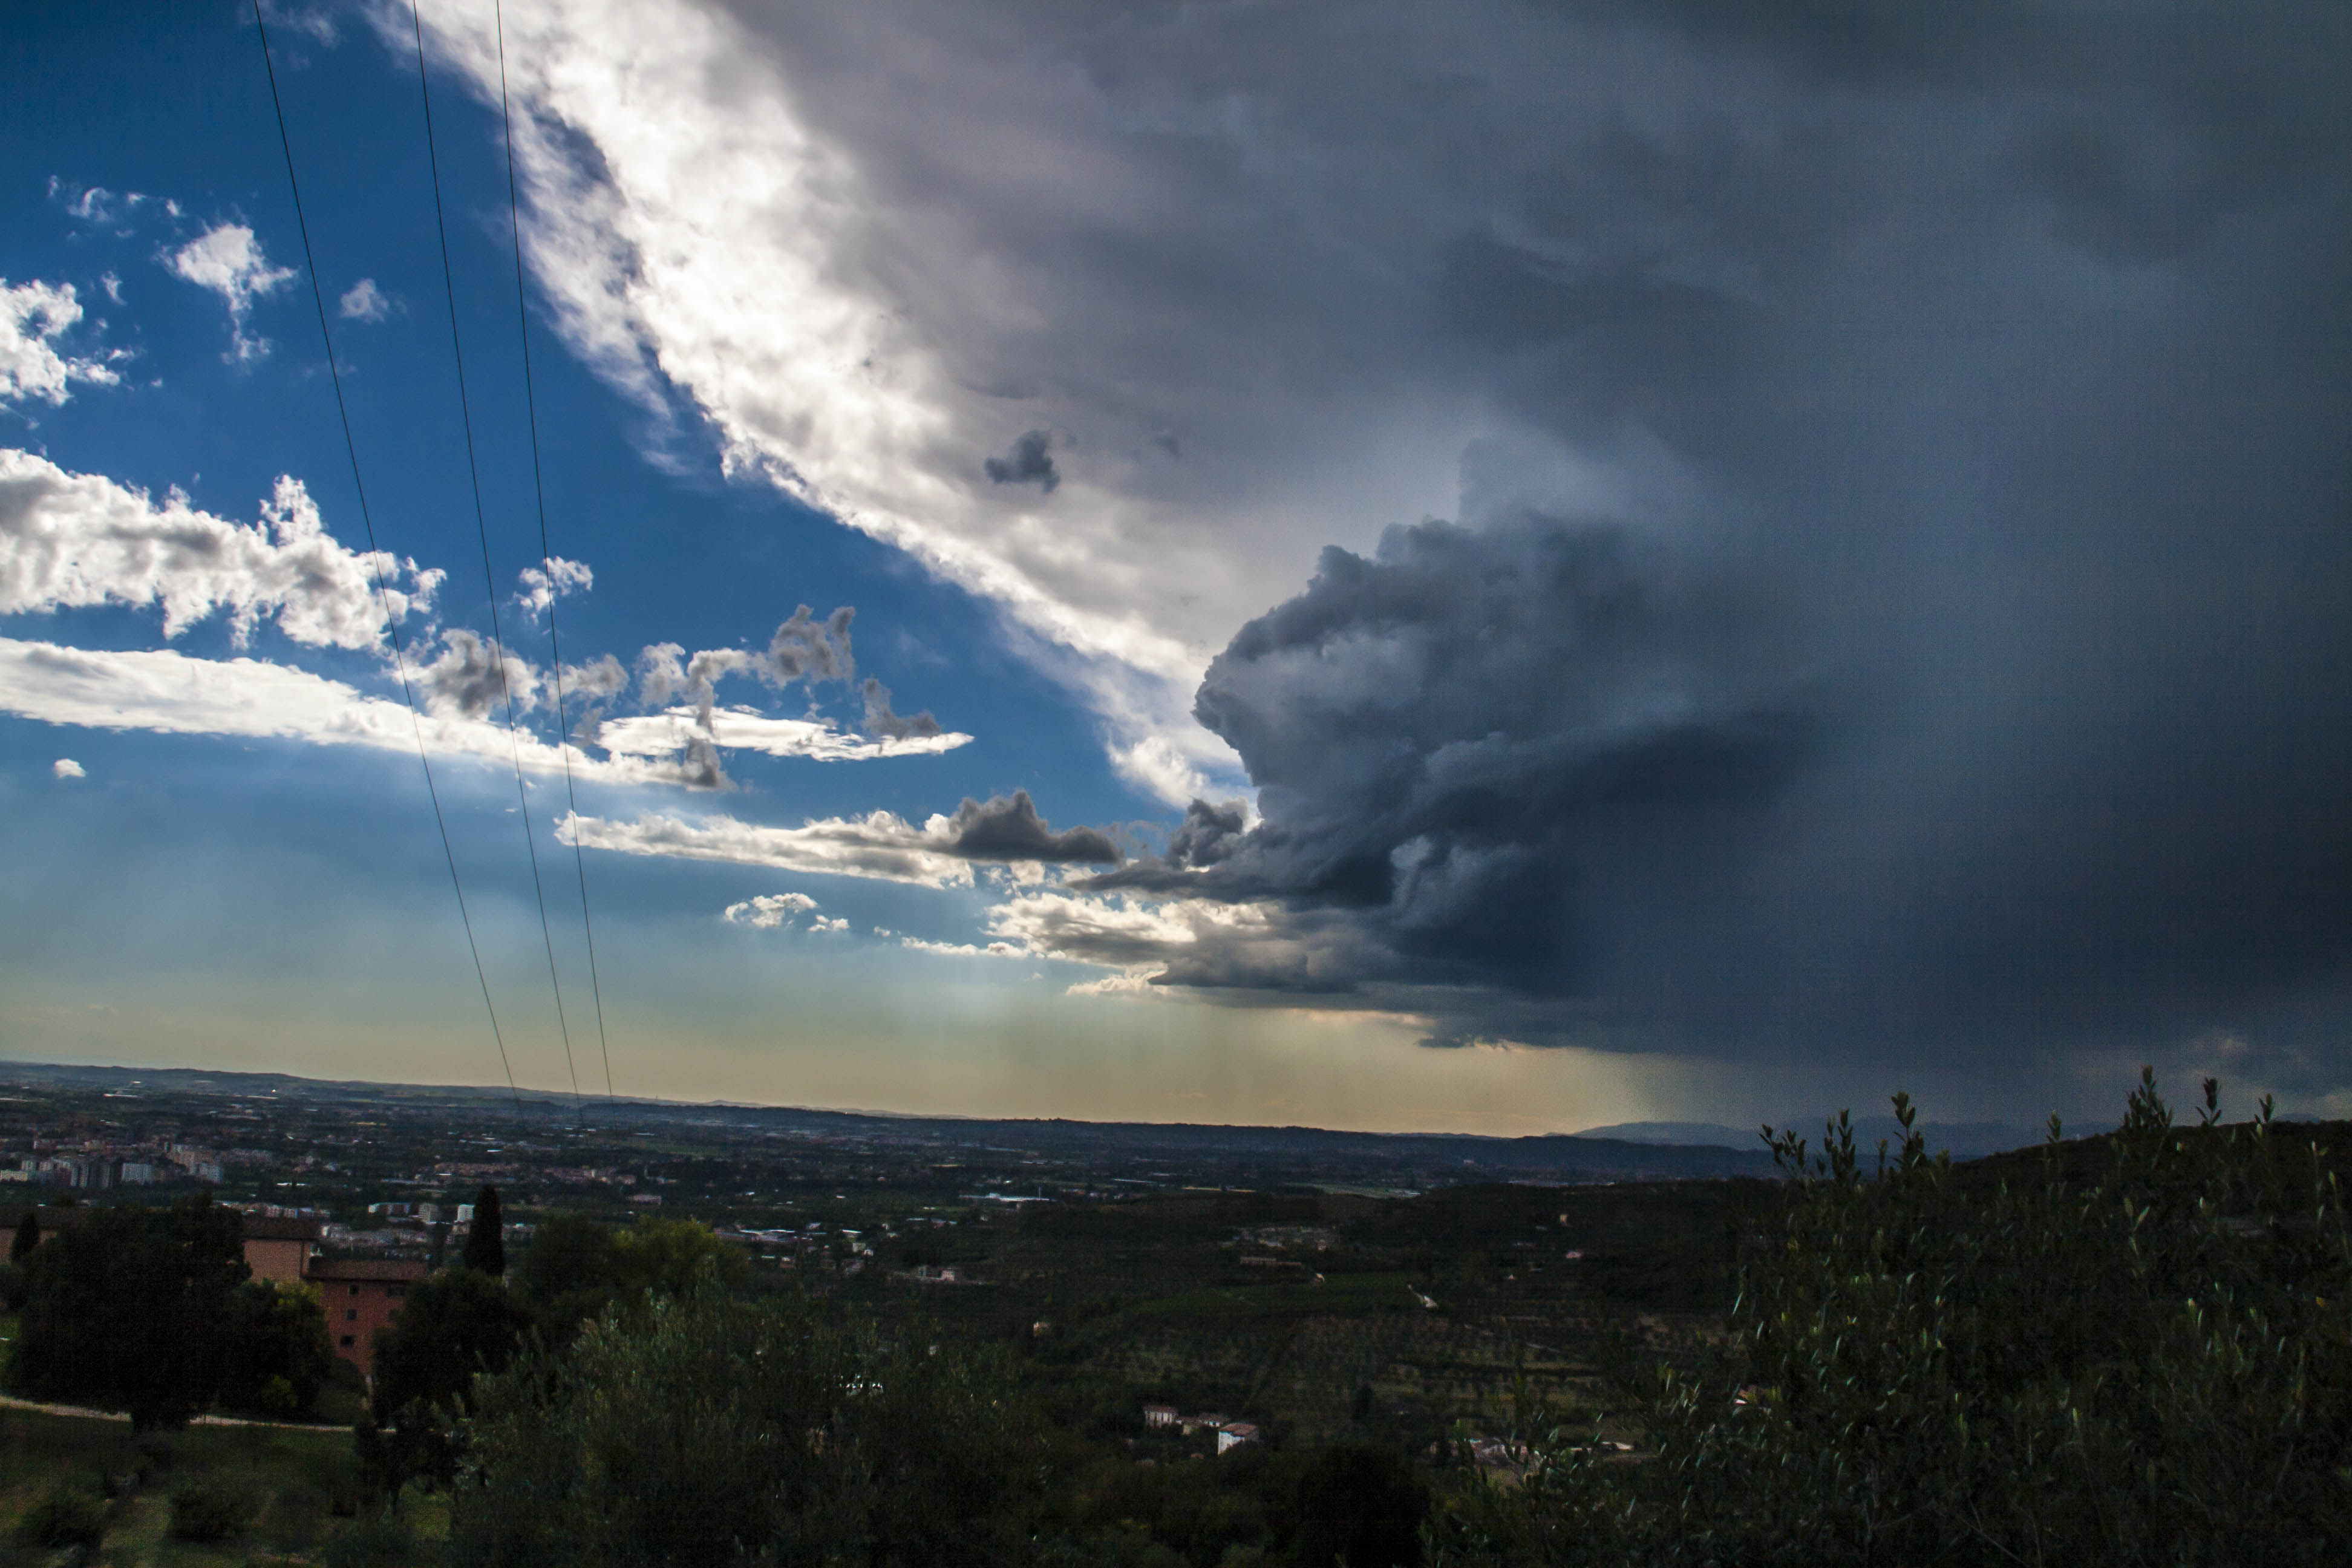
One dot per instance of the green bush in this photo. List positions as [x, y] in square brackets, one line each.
[62, 1517]
[209, 1511]
[1932, 1365]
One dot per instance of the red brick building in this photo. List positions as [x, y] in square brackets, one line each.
[363, 1297]
[280, 1249]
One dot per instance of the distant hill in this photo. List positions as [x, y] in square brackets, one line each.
[1962, 1139]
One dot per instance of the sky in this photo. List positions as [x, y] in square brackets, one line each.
[1473, 568]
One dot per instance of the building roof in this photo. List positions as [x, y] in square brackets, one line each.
[279, 1228]
[391, 1269]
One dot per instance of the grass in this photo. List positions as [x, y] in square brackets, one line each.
[299, 1487]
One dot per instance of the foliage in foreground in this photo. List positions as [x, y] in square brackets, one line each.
[2154, 1367]
[706, 1429]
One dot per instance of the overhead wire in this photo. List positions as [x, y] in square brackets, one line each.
[376, 560]
[482, 533]
[546, 555]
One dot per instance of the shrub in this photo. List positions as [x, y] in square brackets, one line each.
[378, 1541]
[62, 1517]
[1932, 1364]
[705, 1430]
[203, 1512]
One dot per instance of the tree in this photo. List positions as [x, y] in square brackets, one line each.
[665, 1256]
[131, 1310]
[459, 1323]
[577, 1269]
[706, 1429]
[28, 1236]
[277, 1356]
[485, 1243]
[568, 1274]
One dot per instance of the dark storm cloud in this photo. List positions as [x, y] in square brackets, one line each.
[1028, 461]
[1455, 737]
[1930, 633]
[1009, 828]
[1207, 835]
[1990, 688]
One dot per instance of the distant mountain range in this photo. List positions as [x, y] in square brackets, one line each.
[1310, 1154]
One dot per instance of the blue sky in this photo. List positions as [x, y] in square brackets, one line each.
[1505, 573]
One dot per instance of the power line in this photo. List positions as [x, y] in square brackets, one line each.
[375, 557]
[482, 533]
[547, 556]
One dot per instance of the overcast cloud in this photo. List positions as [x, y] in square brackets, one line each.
[1811, 534]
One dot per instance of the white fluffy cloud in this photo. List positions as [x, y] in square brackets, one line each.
[165, 692]
[673, 732]
[879, 845]
[363, 301]
[551, 580]
[768, 911]
[66, 768]
[71, 540]
[227, 259]
[33, 317]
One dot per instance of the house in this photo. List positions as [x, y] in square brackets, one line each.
[362, 1298]
[1234, 1434]
[280, 1249]
[1159, 1416]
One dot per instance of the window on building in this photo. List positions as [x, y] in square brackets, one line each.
[351, 1314]
[355, 1289]
[348, 1340]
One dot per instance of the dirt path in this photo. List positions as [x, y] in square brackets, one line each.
[10, 1401]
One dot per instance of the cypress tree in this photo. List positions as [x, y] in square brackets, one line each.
[28, 1236]
[486, 1246]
